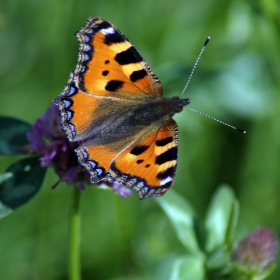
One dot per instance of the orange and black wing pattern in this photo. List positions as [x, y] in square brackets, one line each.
[107, 104]
[148, 165]
[109, 67]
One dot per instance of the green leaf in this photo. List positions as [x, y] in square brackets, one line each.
[13, 136]
[20, 183]
[219, 259]
[221, 219]
[182, 217]
[187, 268]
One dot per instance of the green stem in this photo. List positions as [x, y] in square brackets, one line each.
[74, 237]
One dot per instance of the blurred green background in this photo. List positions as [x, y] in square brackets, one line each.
[237, 81]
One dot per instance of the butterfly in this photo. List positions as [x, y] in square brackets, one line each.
[113, 104]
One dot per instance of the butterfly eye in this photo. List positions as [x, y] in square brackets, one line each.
[179, 109]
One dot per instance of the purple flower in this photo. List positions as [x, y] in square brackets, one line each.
[122, 190]
[50, 141]
[256, 253]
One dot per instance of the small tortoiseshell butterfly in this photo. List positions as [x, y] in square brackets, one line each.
[113, 103]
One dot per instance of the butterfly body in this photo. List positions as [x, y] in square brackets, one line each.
[113, 103]
[126, 119]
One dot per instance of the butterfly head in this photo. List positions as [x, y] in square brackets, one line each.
[179, 103]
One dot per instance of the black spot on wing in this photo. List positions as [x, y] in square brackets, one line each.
[114, 38]
[167, 173]
[128, 56]
[139, 161]
[138, 150]
[164, 141]
[103, 25]
[138, 75]
[105, 72]
[168, 155]
[113, 85]
[107, 61]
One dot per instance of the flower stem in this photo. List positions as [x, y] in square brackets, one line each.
[74, 237]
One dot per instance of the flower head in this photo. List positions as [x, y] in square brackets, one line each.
[256, 252]
[50, 141]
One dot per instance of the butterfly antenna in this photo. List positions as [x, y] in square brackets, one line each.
[196, 62]
[205, 115]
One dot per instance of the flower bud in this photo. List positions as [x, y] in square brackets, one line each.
[256, 253]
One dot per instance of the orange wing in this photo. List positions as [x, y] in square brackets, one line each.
[97, 160]
[109, 74]
[148, 164]
[109, 65]
[76, 109]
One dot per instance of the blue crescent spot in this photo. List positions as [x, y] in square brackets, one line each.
[86, 38]
[88, 48]
[72, 91]
[69, 115]
[72, 128]
[67, 103]
[99, 171]
[86, 57]
[92, 163]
